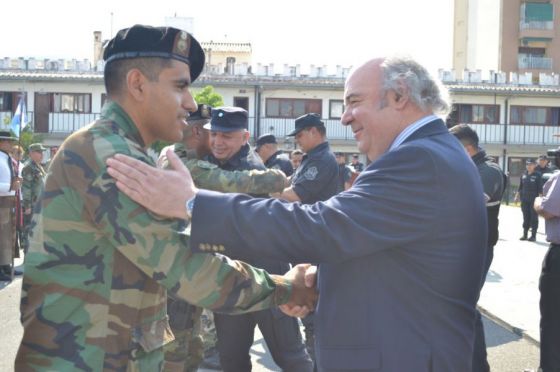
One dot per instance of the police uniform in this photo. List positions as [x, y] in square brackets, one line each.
[530, 186]
[236, 333]
[278, 160]
[33, 175]
[316, 179]
[99, 265]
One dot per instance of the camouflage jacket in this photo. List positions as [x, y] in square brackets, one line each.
[33, 175]
[99, 265]
[209, 176]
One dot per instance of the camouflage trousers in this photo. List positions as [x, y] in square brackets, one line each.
[186, 352]
[193, 338]
[208, 330]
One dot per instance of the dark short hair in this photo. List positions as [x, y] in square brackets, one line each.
[115, 71]
[465, 134]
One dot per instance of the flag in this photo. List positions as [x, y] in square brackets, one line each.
[19, 120]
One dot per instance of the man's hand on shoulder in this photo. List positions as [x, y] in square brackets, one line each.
[164, 192]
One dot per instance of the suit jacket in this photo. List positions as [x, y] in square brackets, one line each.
[401, 255]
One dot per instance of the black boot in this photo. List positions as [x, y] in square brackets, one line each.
[524, 237]
[533, 236]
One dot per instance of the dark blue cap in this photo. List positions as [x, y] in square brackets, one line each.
[530, 161]
[266, 138]
[203, 112]
[141, 41]
[307, 121]
[228, 119]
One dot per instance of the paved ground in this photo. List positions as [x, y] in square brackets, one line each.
[510, 298]
[511, 290]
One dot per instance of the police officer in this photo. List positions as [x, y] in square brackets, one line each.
[493, 184]
[314, 180]
[549, 284]
[344, 172]
[33, 175]
[530, 186]
[230, 151]
[267, 148]
[316, 177]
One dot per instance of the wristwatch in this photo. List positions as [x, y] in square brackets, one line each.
[189, 205]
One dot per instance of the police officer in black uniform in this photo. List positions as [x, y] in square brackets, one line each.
[493, 184]
[231, 151]
[530, 186]
[314, 180]
[267, 148]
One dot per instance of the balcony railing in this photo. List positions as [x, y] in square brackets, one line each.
[536, 25]
[514, 134]
[532, 62]
[69, 122]
[508, 134]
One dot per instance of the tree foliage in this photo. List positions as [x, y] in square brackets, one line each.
[207, 96]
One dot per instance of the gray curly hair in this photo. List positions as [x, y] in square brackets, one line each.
[405, 75]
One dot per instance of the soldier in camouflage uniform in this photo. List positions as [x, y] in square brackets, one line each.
[193, 328]
[33, 175]
[98, 266]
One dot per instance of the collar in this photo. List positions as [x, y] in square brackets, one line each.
[317, 150]
[114, 112]
[408, 131]
[479, 157]
[235, 160]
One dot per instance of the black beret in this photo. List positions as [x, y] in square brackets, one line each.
[266, 138]
[307, 121]
[228, 119]
[141, 41]
[202, 113]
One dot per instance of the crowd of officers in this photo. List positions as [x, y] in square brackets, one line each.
[21, 179]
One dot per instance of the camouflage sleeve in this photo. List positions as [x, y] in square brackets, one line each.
[209, 176]
[27, 187]
[159, 247]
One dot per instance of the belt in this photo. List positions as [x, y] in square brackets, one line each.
[554, 245]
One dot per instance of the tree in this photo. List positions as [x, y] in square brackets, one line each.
[208, 96]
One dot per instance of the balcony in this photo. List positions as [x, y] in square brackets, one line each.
[513, 134]
[281, 127]
[528, 62]
[536, 30]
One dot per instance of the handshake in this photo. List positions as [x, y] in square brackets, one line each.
[304, 292]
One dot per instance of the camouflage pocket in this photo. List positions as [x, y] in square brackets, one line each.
[152, 336]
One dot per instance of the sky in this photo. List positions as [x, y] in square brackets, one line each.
[320, 32]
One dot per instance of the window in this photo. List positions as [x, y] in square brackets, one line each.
[71, 102]
[336, 108]
[476, 114]
[530, 115]
[6, 102]
[291, 107]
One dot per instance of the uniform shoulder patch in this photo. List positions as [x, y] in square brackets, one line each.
[311, 173]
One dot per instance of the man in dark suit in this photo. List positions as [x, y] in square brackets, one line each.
[401, 252]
